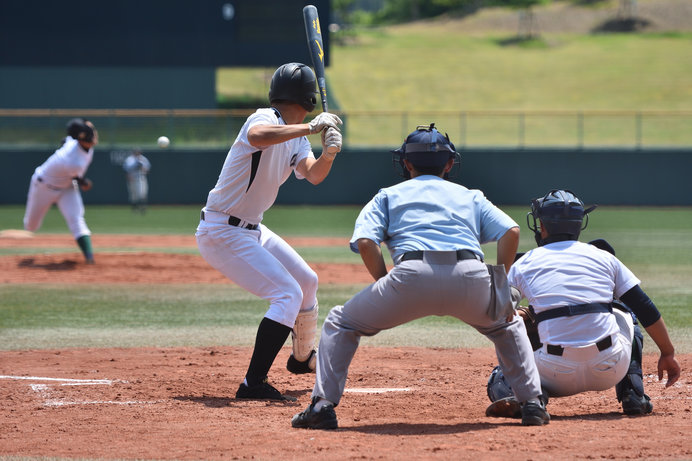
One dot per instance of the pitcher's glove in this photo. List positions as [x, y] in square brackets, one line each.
[84, 184]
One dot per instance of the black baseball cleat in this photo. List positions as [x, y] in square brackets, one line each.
[509, 407]
[261, 391]
[299, 368]
[534, 414]
[310, 419]
[633, 404]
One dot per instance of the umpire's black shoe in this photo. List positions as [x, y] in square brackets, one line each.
[633, 404]
[299, 368]
[261, 391]
[310, 419]
[534, 414]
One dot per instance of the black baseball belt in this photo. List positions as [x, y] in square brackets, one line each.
[233, 221]
[49, 186]
[602, 345]
[461, 255]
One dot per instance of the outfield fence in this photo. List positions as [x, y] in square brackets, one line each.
[190, 128]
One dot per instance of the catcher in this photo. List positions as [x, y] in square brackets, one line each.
[434, 230]
[58, 181]
[584, 338]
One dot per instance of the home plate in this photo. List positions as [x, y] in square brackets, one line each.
[377, 390]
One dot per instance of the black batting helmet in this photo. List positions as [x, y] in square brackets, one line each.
[79, 129]
[294, 82]
[427, 149]
[562, 215]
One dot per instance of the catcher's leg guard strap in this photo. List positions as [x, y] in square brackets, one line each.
[304, 333]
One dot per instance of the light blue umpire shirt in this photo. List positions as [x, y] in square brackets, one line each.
[430, 213]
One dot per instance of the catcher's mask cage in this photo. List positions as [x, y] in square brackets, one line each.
[426, 148]
[562, 215]
[294, 82]
[78, 129]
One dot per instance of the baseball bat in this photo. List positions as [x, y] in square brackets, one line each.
[314, 35]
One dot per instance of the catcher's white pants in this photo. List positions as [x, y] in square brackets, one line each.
[69, 201]
[581, 369]
[414, 289]
[262, 263]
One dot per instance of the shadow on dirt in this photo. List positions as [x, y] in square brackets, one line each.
[64, 265]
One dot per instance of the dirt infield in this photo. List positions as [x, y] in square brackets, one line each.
[401, 403]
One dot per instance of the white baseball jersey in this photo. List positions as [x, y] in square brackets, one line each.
[571, 273]
[251, 176]
[68, 162]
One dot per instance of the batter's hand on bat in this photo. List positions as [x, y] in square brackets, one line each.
[322, 121]
[331, 142]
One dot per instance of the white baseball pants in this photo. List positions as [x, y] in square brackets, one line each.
[262, 263]
[581, 369]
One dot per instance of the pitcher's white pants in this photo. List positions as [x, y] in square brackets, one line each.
[69, 201]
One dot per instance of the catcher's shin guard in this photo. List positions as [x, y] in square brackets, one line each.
[630, 390]
[304, 359]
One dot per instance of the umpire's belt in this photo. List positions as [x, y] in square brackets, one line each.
[222, 218]
[460, 255]
[601, 345]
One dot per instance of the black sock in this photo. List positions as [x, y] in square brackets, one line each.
[271, 337]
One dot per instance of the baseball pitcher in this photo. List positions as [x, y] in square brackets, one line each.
[58, 181]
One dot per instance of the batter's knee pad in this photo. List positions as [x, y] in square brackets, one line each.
[633, 380]
[498, 387]
[303, 335]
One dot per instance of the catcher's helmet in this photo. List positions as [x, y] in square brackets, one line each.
[562, 215]
[427, 149]
[79, 129]
[294, 82]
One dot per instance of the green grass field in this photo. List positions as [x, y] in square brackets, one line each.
[656, 243]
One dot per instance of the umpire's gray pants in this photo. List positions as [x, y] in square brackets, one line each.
[436, 285]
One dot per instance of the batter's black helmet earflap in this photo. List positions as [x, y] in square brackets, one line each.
[427, 150]
[561, 214]
[79, 129]
[294, 82]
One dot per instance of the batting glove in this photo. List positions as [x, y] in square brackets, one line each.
[322, 121]
[331, 142]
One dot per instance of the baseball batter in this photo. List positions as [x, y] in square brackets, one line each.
[586, 342]
[434, 230]
[231, 237]
[58, 181]
[136, 167]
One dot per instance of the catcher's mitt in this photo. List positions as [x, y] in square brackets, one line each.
[527, 314]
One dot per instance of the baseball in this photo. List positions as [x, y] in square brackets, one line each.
[163, 142]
